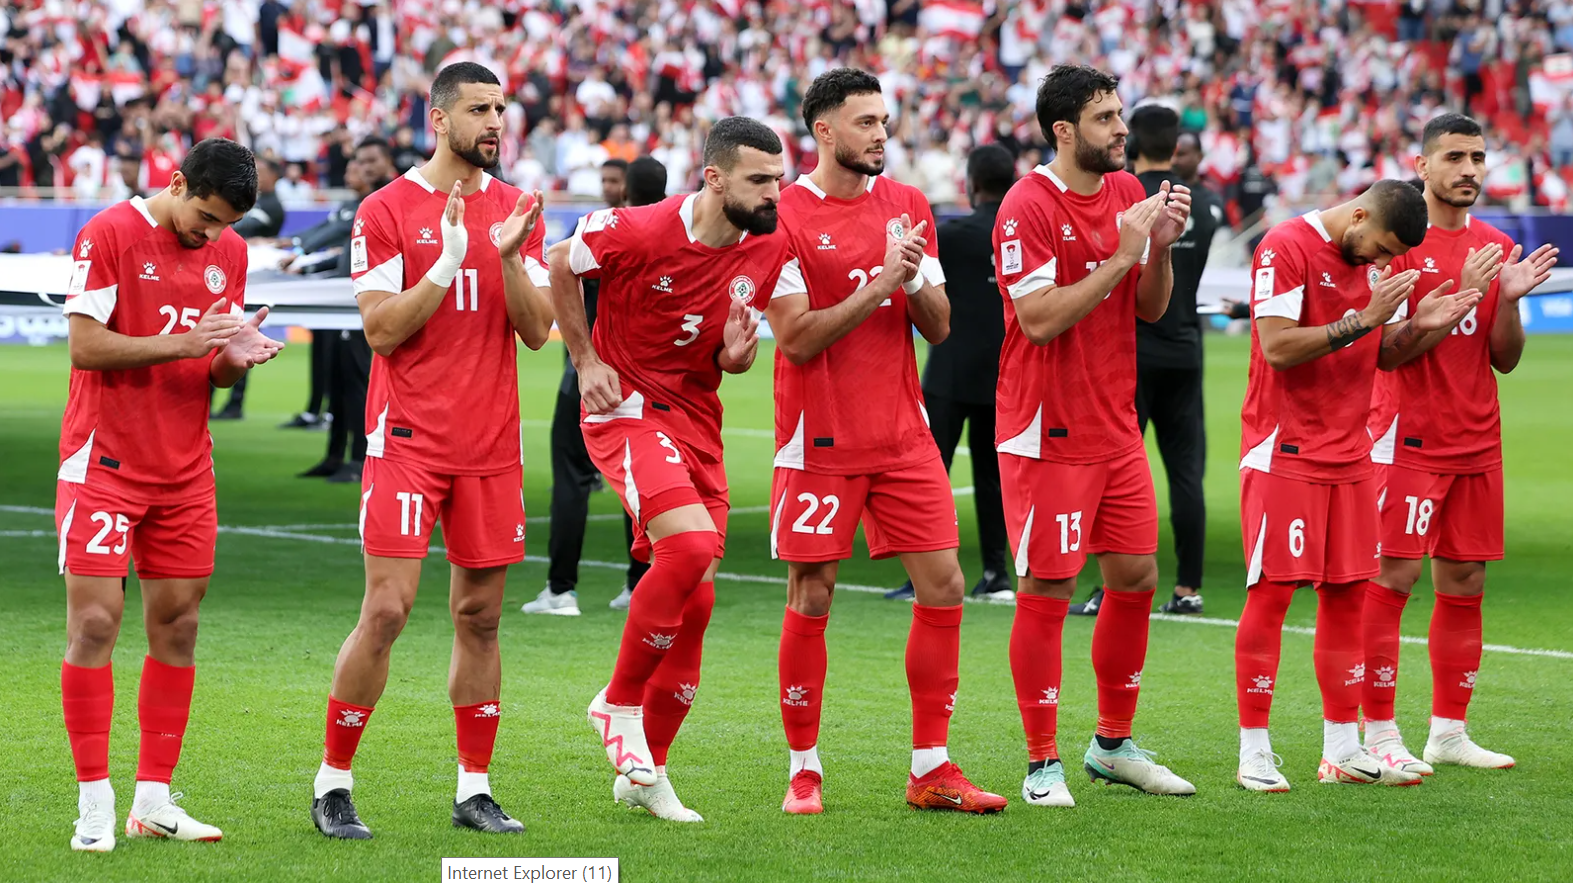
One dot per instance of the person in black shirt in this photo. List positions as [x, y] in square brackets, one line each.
[574, 476]
[1169, 351]
[266, 218]
[962, 372]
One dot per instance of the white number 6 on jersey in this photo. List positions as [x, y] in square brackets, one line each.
[691, 325]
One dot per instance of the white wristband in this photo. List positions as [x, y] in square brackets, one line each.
[912, 285]
[441, 273]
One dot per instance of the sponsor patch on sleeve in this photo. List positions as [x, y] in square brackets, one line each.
[1010, 257]
[1264, 283]
[358, 260]
[79, 277]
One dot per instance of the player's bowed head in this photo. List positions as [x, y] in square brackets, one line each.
[742, 175]
[215, 186]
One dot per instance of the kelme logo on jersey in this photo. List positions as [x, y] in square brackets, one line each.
[496, 234]
[663, 284]
[1430, 266]
[214, 278]
[149, 272]
[425, 237]
[742, 289]
[87, 246]
[824, 242]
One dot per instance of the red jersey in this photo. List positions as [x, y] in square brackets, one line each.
[857, 407]
[1072, 400]
[663, 303]
[447, 398]
[143, 431]
[1439, 412]
[1309, 422]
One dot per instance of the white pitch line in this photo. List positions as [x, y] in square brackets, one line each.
[275, 533]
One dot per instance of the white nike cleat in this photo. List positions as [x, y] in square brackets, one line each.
[621, 728]
[170, 822]
[623, 599]
[1456, 748]
[1363, 768]
[1259, 772]
[565, 604]
[95, 830]
[1133, 766]
[1388, 747]
[658, 799]
[1045, 786]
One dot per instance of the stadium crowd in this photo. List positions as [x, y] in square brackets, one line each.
[1300, 100]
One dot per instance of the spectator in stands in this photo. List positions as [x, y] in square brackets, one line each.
[266, 218]
[89, 164]
[294, 189]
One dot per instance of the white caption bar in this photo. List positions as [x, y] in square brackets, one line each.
[554, 870]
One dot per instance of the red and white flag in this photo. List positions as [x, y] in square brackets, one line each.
[957, 19]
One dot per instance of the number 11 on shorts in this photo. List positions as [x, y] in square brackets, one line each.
[409, 504]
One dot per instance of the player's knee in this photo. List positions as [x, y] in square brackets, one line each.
[1135, 576]
[382, 620]
[175, 634]
[810, 589]
[477, 621]
[948, 590]
[93, 629]
[1399, 574]
[686, 556]
[1459, 578]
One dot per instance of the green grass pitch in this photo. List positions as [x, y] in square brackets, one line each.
[287, 590]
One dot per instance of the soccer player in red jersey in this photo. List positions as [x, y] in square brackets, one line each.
[852, 440]
[154, 304]
[448, 270]
[672, 317]
[1308, 497]
[1438, 432]
[1081, 252]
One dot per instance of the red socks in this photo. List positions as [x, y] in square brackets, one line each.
[476, 726]
[670, 691]
[1339, 650]
[87, 696]
[1119, 650]
[346, 723]
[801, 668]
[1257, 642]
[1036, 635]
[1384, 608]
[656, 613]
[933, 658]
[163, 707]
[1455, 654]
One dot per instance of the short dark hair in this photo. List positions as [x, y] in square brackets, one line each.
[1066, 90]
[220, 167]
[990, 170]
[832, 88]
[1447, 124]
[1155, 131]
[646, 181]
[732, 133]
[445, 88]
[1398, 207]
[616, 162]
[376, 142]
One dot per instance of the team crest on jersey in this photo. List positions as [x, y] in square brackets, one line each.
[742, 289]
[1374, 275]
[215, 278]
[896, 229]
[496, 234]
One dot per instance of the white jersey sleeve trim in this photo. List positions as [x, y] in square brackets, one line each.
[791, 280]
[1383, 448]
[539, 275]
[930, 269]
[632, 408]
[1288, 305]
[1399, 314]
[791, 454]
[1039, 278]
[386, 276]
[581, 259]
[98, 303]
[1260, 457]
[1029, 443]
[74, 468]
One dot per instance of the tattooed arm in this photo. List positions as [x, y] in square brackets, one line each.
[1286, 344]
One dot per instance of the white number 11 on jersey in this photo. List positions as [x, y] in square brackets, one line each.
[466, 279]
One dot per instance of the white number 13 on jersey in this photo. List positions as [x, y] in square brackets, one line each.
[467, 279]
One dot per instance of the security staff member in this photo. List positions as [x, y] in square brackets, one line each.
[574, 476]
[1169, 351]
[962, 372]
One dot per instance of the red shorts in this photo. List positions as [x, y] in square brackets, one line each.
[99, 531]
[1299, 531]
[654, 473]
[1057, 513]
[1456, 517]
[813, 516]
[482, 515]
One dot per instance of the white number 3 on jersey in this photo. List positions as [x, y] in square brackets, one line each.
[690, 325]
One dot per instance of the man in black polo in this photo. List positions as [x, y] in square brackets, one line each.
[1169, 351]
[962, 372]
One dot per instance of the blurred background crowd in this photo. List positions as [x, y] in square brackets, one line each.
[1298, 101]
